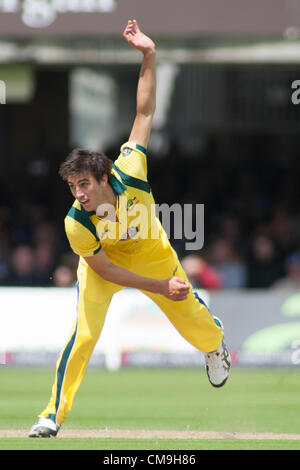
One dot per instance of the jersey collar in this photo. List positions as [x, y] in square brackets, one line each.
[117, 186]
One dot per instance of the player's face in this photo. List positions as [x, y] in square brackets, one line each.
[87, 190]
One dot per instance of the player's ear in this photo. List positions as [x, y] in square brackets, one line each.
[104, 179]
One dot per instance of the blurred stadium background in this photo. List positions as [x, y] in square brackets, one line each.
[226, 135]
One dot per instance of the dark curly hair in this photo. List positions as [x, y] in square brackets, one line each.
[85, 161]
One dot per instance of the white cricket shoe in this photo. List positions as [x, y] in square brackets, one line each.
[44, 427]
[218, 363]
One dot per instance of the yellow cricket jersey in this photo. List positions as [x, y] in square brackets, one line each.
[134, 218]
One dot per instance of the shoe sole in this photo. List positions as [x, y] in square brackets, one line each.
[43, 432]
[216, 385]
[219, 323]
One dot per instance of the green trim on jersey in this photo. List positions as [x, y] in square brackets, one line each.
[97, 251]
[62, 368]
[83, 219]
[117, 186]
[141, 148]
[131, 181]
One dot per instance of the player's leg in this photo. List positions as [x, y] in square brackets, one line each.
[74, 357]
[191, 316]
[193, 321]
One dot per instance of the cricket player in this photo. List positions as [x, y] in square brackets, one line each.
[113, 228]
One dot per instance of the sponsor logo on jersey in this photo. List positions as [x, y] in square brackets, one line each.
[132, 202]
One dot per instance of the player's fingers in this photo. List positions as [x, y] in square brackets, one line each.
[179, 279]
[136, 26]
[182, 286]
[129, 26]
[127, 31]
[183, 291]
[183, 295]
[128, 35]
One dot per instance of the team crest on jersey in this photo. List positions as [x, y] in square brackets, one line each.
[126, 151]
[131, 202]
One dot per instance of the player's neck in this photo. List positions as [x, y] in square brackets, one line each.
[107, 199]
[111, 196]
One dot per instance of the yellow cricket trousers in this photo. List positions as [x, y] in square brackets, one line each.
[154, 259]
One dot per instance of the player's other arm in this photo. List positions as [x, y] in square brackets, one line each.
[173, 288]
[146, 89]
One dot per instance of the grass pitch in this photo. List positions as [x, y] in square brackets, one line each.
[253, 401]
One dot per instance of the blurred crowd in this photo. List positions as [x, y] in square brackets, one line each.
[34, 250]
[251, 225]
[251, 212]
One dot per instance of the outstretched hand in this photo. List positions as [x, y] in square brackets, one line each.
[137, 39]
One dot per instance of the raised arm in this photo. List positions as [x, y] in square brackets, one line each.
[146, 89]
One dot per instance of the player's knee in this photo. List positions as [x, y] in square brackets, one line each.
[87, 340]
